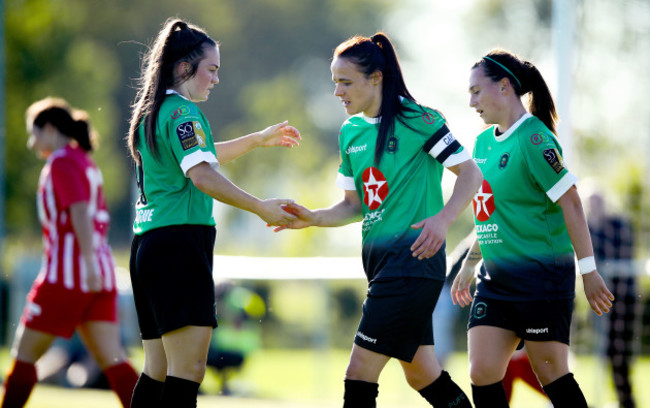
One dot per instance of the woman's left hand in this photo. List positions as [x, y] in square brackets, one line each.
[598, 295]
[431, 238]
[280, 134]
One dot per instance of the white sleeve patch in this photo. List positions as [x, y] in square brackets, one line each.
[346, 183]
[197, 157]
[457, 158]
[442, 144]
[562, 186]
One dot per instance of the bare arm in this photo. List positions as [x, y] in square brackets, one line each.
[344, 212]
[82, 225]
[460, 289]
[434, 228]
[596, 291]
[214, 184]
[280, 134]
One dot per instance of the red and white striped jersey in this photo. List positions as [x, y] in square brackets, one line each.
[68, 177]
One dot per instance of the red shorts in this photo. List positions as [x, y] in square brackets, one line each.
[58, 311]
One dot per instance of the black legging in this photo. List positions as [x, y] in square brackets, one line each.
[621, 336]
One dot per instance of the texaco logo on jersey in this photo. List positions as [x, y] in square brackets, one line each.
[483, 202]
[375, 187]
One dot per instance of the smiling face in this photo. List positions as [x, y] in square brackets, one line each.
[197, 88]
[485, 97]
[357, 91]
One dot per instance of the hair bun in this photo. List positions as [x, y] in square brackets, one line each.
[180, 25]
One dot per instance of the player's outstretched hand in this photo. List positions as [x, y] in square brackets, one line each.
[280, 134]
[430, 239]
[303, 217]
[599, 297]
[460, 289]
[272, 211]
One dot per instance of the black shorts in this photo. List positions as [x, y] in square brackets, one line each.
[397, 316]
[536, 320]
[171, 275]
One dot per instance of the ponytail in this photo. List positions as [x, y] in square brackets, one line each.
[83, 134]
[178, 41]
[541, 102]
[72, 123]
[524, 78]
[373, 54]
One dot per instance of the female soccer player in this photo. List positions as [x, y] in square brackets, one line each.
[75, 289]
[529, 221]
[171, 256]
[393, 154]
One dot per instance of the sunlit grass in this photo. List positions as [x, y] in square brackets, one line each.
[314, 378]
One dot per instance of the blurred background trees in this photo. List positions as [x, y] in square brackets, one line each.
[275, 58]
[275, 66]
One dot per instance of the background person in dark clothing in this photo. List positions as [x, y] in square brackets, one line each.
[613, 240]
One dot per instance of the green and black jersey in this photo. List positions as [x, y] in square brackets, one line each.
[404, 189]
[167, 195]
[519, 225]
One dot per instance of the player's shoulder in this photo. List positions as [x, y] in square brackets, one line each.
[176, 108]
[67, 153]
[533, 133]
[420, 115]
[486, 134]
[356, 123]
[68, 159]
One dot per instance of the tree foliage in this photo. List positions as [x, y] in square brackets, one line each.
[275, 55]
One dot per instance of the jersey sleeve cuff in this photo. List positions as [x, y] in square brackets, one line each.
[562, 186]
[457, 158]
[344, 182]
[197, 157]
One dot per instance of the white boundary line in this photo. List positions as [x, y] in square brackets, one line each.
[284, 268]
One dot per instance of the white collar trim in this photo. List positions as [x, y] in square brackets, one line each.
[171, 92]
[370, 119]
[378, 118]
[511, 129]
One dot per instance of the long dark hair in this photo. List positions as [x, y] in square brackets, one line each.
[524, 78]
[373, 54]
[72, 123]
[178, 41]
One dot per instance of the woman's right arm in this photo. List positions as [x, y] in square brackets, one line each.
[460, 289]
[214, 184]
[280, 134]
[344, 212]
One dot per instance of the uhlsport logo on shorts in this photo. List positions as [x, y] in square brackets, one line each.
[366, 338]
[480, 310]
[537, 330]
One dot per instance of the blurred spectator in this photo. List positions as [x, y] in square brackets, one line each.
[613, 242]
[239, 331]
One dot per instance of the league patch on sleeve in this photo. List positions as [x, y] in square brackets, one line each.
[200, 134]
[186, 135]
[553, 158]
